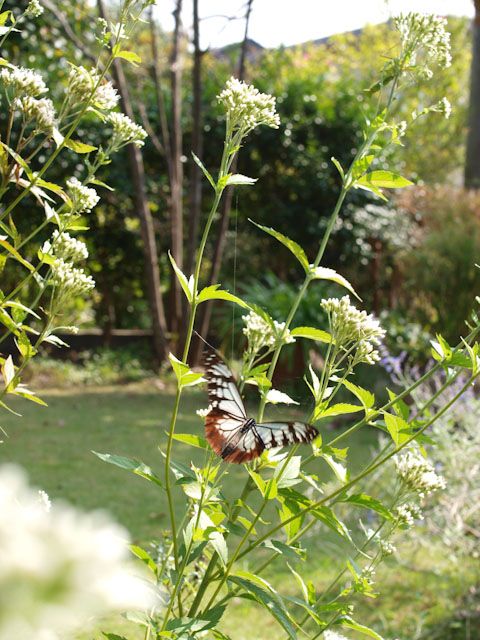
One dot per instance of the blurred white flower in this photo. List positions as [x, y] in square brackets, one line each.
[34, 9]
[23, 82]
[428, 32]
[81, 83]
[418, 473]
[59, 568]
[246, 107]
[407, 514]
[333, 635]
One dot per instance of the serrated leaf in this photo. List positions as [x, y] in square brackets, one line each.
[77, 146]
[192, 440]
[336, 410]
[185, 377]
[383, 179]
[366, 397]
[291, 245]
[323, 273]
[347, 621]
[327, 516]
[312, 334]
[337, 467]
[367, 502]
[130, 464]
[214, 293]
[129, 56]
[396, 425]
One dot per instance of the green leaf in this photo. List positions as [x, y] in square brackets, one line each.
[366, 397]
[113, 636]
[337, 467]
[263, 593]
[192, 440]
[14, 253]
[213, 293]
[326, 515]
[4, 17]
[238, 179]
[312, 334]
[347, 621]
[145, 557]
[442, 348]
[187, 285]
[335, 410]
[385, 179]
[323, 273]
[339, 167]
[129, 56]
[206, 173]
[130, 464]
[284, 549]
[396, 425]
[185, 377]
[292, 246]
[77, 146]
[367, 502]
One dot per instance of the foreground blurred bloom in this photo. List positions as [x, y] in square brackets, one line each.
[407, 514]
[418, 473]
[425, 32]
[59, 568]
[34, 9]
[333, 635]
[353, 330]
[40, 112]
[246, 107]
[23, 82]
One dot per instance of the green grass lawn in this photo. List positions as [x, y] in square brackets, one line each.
[54, 444]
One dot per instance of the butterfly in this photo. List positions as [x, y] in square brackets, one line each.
[230, 432]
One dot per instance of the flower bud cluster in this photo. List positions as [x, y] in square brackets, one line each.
[354, 330]
[386, 547]
[261, 333]
[23, 82]
[246, 107]
[125, 131]
[407, 514]
[70, 280]
[425, 32]
[418, 473]
[68, 248]
[39, 111]
[81, 83]
[84, 199]
[34, 9]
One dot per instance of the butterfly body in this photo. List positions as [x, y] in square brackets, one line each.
[230, 432]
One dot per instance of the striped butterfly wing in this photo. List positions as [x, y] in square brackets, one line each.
[227, 428]
[282, 434]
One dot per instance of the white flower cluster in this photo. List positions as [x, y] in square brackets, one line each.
[444, 106]
[68, 248]
[81, 83]
[84, 199]
[125, 131]
[70, 280]
[418, 473]
[428, 32]
[59, 568]
[354, 330]
[246, 107]
[23, 82]
[333, 635]
[40, 111]
[407, 514]
[260, 333]
[386, 547]
[34, 9]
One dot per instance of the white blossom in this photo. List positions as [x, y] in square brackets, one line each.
[59, 568]
[407, 514]
[68, 248]
[418, 473]
[386, 547]
[34, 9]
[70, 280]
[258, 332]
[40, 111]
[84, 199]
[333, 635]
[246, 107]
[353, 329]
[278, 397]
[125, 131]
[23, 82]
[81, 83]
[427, 32]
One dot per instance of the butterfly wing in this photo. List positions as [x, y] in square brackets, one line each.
[282, 434]
[228, 430]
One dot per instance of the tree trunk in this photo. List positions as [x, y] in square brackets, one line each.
[206, 312]
[137, 172]
[197, 144]
[177, 171]
[472, 163]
